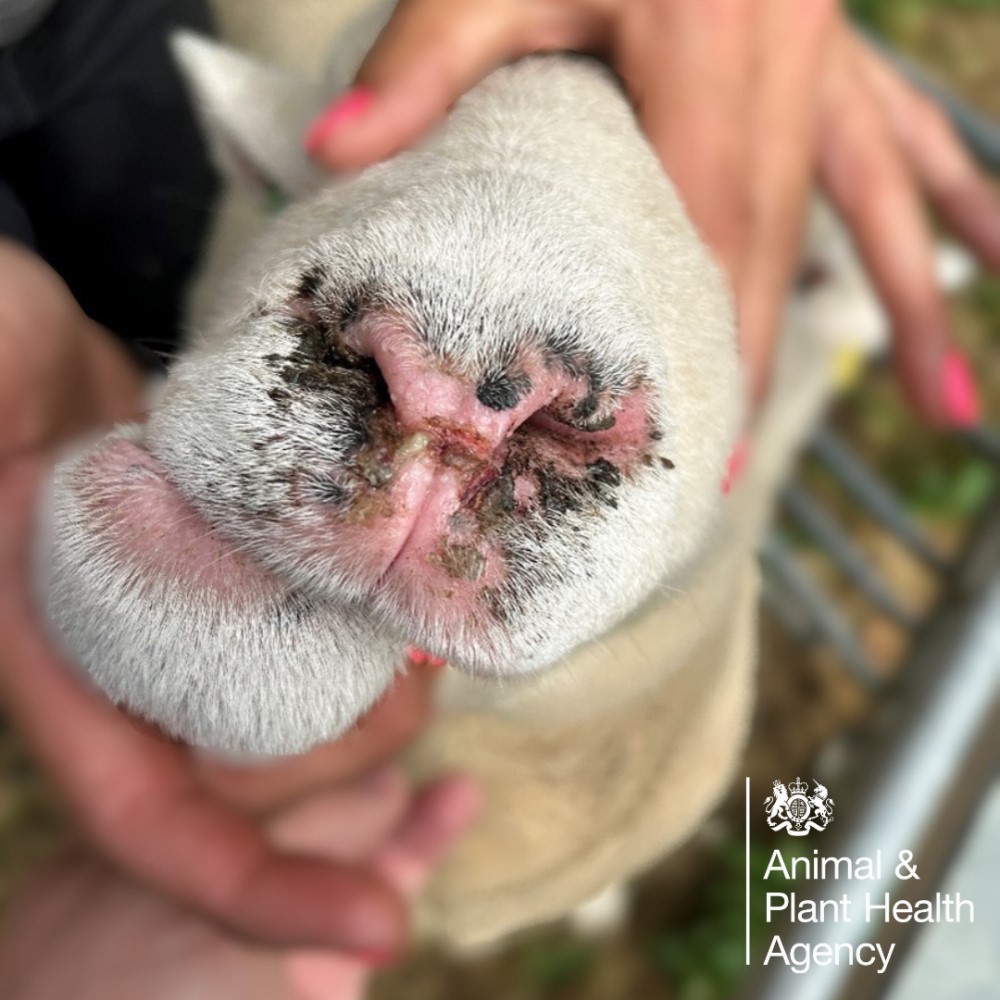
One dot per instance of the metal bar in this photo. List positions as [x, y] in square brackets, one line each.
[784, 607]
[978, 132]
[873, 494]
[851, 560]
[903, 804]
[831, 625]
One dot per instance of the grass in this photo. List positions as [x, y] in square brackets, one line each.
[704, 959]
[885, 15]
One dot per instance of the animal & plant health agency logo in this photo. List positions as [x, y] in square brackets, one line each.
[797, 810]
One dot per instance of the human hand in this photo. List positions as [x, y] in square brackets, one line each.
[746, 102]
[167, 817]
[178, 822]
[60, 373]
[82, 930]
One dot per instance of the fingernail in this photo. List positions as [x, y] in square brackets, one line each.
[354, 103]
[419, 657]
[736, 465]
[958, 389]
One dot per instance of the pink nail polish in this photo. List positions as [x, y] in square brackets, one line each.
[736, 464]
[436, 661]
[958, 390]
[416, 656]
[354, 103]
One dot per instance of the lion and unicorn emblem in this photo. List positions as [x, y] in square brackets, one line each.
[797, 810]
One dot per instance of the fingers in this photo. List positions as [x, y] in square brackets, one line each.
[793, 41]
[440, 815]
[328, 976]
[59, 372]
[118, 385]
[430, 52]
[393, 723]
[437, 818]
[343, 823]
[40, 355]
[20, 482]
[956, 187]
[421, 657]
[403, 836]
[687, 68]
[868, 180]
[140, 803]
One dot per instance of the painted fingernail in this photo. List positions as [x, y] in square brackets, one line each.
[958, 389]
[419, 657]
[353, 104]
[736, 465]
[416, 656]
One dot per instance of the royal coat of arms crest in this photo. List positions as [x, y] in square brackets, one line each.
[795, 809]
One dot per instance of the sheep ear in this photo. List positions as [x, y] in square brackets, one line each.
[254, 116]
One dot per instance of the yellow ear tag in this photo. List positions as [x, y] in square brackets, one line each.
[848, 366]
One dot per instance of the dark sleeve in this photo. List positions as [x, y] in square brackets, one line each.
[107, 172]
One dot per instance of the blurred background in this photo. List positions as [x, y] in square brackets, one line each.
[877, 658]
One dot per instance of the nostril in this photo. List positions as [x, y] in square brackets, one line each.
[428, 395]
[567, 422]
[324, 360]
[571, 423]
[433, 395]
